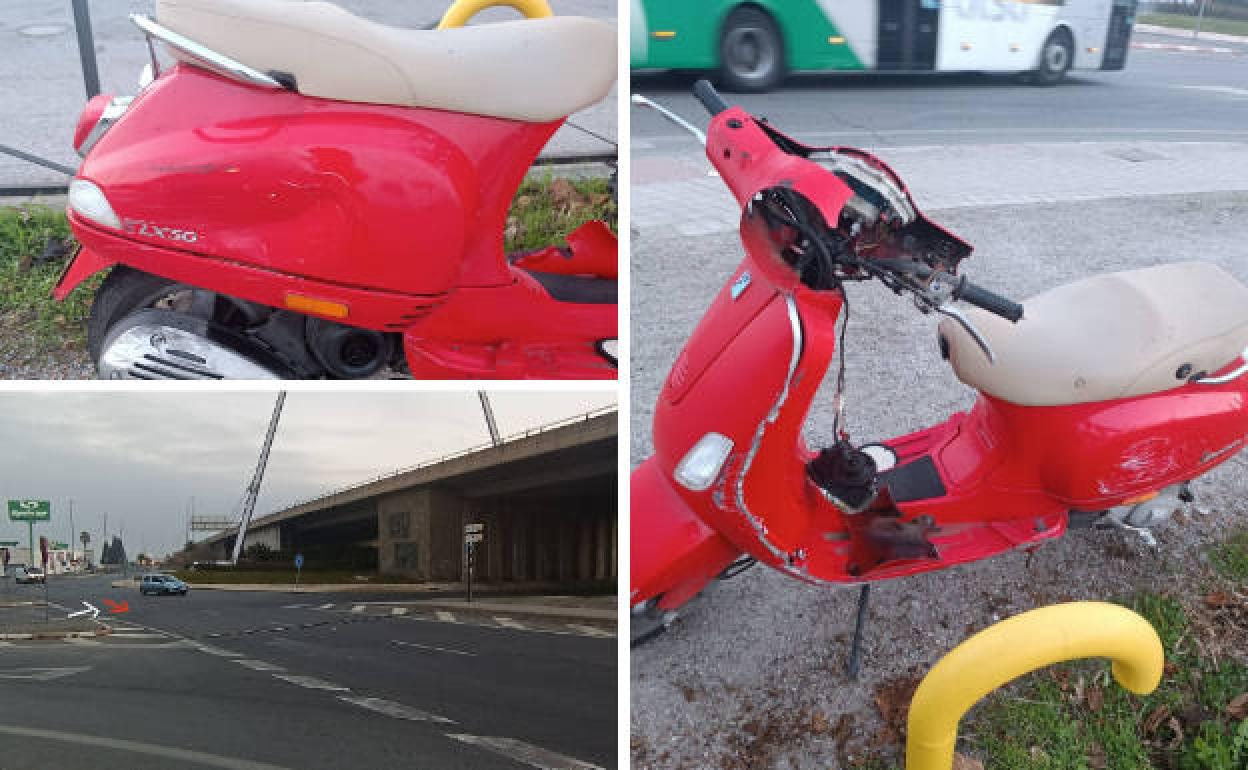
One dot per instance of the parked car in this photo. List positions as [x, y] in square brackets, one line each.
[27, 575]
[162, 584]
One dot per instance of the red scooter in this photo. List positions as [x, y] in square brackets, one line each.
[1098, 402]
[306, 193]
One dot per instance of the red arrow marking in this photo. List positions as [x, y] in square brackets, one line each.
[116, 608]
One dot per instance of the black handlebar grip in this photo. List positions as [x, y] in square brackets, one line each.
[710, 98]
[990, 301]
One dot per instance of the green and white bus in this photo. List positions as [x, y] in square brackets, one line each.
[753, 44]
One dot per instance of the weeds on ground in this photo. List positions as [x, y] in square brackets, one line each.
[1075, 717]
[30, 320]
[1230, 559]
[547, 208]
[1207, 24]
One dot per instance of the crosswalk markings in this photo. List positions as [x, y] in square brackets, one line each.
[392, 709]
[328, 606]
[431, 647]
[589, 630]
[509, 623]
[526, 753]
[445, 617]
[398, 610]
[359, 608]
[311, 682]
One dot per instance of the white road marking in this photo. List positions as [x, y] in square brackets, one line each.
[257, 665]
[445, 617]
[519, 751]
[398, 610]
[328, 606]
[184, 756]
[431, 647]
[392, 709]
[296, 606]
[509, 623]
[358, 608]
[208, 648]
[42, 674]
[135, 635]
[311, 682]
[1218, 90]
[589, 630]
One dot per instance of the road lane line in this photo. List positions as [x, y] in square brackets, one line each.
[358, 608]
[431, 647]
[296, 606]
[398, 610]
[392, 709]
[208, 648]
[328, 606]
[589, 630]
[139, 635]
[509, 623]
[257, 665]
[311, 682]
[445, 617]
[527, 753]
[135, 747]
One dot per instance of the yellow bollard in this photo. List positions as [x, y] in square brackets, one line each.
[1016, 646]
[462, 10]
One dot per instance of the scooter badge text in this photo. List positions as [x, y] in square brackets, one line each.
[139, 227]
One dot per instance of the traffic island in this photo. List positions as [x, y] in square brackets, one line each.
[74, 628]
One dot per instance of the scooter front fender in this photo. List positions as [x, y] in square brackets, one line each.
[674, 554]
[81, 266]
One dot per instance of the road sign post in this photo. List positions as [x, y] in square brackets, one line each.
[30, 511]
[298, 569]
[473, 534]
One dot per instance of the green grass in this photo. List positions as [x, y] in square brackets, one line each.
[31, 321]
[546, 208]
[1208, 24]
[1230, 559]
[1075, 717]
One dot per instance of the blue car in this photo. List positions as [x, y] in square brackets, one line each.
[162, 584]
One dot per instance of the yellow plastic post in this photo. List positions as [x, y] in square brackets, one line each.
[462, 10]
[1016, 646]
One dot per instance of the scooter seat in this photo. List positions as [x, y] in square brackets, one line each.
[1110, 336]
[534, 70]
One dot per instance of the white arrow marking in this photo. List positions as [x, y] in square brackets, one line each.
[95, 612]
[42, 674]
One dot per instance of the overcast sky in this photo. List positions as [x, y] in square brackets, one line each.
[140, 457]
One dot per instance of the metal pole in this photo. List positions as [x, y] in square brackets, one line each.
[489, 417]
[1200, 16]
[86, 48]
[472, 549]
[71, 529]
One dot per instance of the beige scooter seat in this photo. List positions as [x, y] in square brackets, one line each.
[533, 70]
[1106, 337]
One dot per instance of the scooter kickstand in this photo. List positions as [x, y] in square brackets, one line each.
[855, 649]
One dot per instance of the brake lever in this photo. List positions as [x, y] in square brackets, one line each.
[950, 311]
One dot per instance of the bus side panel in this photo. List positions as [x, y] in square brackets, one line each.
[993, 35]
[858, 22]
[1090, 20]
[680, 34]
[814, 39]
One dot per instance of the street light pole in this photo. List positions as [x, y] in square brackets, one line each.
[1200, 16]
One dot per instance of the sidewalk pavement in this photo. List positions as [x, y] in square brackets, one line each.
[42, 92]
[1155, 29]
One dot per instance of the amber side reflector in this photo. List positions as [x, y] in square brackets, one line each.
[837, 40]
[664, 34]
[322, 307]
[1139, 498]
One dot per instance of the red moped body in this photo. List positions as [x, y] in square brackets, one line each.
[1000, 477]
[397, 213]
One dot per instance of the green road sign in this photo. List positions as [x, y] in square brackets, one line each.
[60, 546]
[8, 543]
[30, 510]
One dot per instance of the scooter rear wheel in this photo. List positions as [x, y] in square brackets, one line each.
[127, 290]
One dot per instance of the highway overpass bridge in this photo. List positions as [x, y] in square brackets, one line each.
[546, 499]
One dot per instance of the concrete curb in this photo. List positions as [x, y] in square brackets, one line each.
[43, 636]
[558, 614]
[1155, 29]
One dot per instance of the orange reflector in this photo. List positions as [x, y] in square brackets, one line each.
[1139, 498]
[837, 40]
[315, 306]
[664, 34]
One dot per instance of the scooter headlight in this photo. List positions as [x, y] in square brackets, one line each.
[87, 200]
[701, 465]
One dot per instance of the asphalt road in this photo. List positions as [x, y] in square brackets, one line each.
[1169, 96]
[259, 680]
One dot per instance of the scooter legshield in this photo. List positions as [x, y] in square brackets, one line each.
[674, 553]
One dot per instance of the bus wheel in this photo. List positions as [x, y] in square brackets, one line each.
[1055, 59]
[751, 54]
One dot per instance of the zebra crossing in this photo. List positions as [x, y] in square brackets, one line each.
[359, 611]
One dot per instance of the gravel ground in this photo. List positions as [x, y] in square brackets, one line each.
[751, 675]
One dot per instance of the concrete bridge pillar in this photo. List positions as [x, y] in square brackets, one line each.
[410, 524]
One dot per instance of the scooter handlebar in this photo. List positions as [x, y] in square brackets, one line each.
[992, 302]
[710, 98]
